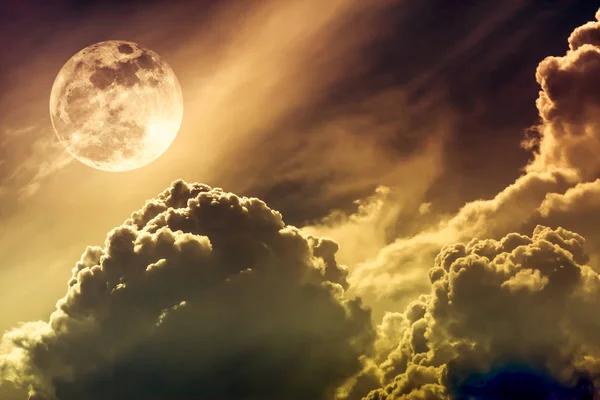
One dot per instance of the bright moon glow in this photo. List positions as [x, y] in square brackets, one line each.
[116, 106]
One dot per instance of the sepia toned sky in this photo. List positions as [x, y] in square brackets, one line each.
[366, 200]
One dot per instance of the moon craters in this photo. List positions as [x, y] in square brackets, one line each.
[116, 106]
[125, 48]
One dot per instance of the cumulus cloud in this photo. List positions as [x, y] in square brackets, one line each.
[200, 294]
[398, 270]
[568, 105]
[513, 310]
[576, 209]
[508, 318]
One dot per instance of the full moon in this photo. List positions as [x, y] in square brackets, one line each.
[116, 106]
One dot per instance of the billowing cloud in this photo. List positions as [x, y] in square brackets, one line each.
[510, 317]
[399, 270]
[576, 209]
[511, 311]
[568, 105]
[201, 294]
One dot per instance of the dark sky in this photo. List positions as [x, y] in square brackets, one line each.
[473, 59]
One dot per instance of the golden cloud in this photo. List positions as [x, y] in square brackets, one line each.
[200, 293]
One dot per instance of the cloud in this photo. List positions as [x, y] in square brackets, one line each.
[388, 213]
[202, 283]
[387, 132]
[29, 156]
[508, 316]
[568, 105]
[361, 233]
[511, 310]
[399, 270]
[576, 209]
[200, 294]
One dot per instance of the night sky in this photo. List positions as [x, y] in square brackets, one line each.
[376, 200]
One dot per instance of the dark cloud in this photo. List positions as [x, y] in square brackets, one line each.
[505, 316]
[201, 294]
